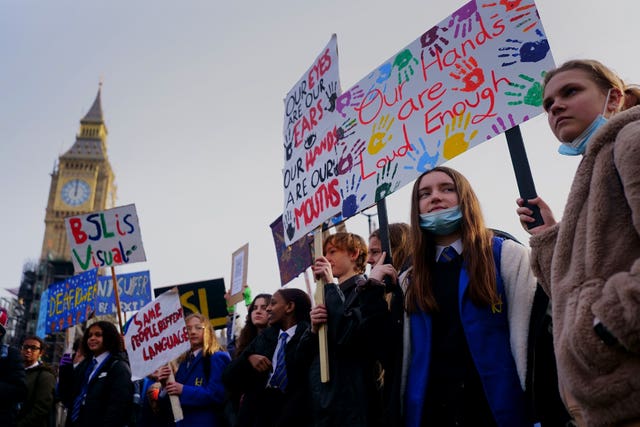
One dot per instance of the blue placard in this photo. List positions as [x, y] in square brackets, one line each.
[134, 290]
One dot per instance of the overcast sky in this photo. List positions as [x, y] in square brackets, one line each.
[192, 99]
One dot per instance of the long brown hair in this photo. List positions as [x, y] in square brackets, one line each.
[250, 329]
[602, 76]
[476, 241]
[400, 242]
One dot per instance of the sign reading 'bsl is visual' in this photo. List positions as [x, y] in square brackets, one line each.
[105, 239]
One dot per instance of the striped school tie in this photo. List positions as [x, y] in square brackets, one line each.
[279, 377]
[448, 254]
[79, 400]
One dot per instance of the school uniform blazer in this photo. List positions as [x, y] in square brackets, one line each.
[242, 378]
[201, 399]
[109, 398]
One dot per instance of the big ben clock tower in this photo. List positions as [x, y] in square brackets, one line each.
[82, 182]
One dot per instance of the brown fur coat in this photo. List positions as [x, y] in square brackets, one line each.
[589, 264]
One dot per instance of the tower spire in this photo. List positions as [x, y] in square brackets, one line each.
[94, 115]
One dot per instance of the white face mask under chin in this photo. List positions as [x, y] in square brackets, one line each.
[579, 145]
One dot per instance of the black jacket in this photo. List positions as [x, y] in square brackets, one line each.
[109, 398]
[13, 386]
[263, 407]
[355, 331]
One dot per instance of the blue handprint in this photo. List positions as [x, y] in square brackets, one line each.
[403, 62]
[384, 181]
[464, 17]
[423, 160]
[532, 51]
[431, 40]
[346, 161]
[350, 98]
[349, 194]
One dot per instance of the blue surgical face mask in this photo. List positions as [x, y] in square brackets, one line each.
[442, 222]
[579, 145]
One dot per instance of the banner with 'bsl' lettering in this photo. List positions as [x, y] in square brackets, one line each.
[105, 239]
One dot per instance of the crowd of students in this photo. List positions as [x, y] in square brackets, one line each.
[452, 332]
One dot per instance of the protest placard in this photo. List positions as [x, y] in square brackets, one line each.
[134, 292]
[205, 297]
[157, 335]
[310, 183]
[292, 259]
[69, 302]
[471, 77]
[105, 239]
[239, 266]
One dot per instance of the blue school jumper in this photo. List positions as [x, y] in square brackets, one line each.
[200, 396]
[486, 330]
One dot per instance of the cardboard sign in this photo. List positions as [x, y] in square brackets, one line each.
[105, 239]
[239, 266]
[292, 259]
[471, 77]
[134, 290]
[310, 122]
[157, 335]
[71, 301]
[206, 297]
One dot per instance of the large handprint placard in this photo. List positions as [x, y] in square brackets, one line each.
[469, 78]
[310, 175]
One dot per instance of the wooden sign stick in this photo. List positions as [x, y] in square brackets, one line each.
[319, 299]
[117, 295]
[175, 400]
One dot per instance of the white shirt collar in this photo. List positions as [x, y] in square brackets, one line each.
[457, 245]
[290, 332]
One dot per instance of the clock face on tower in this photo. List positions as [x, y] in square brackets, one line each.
[75, 192]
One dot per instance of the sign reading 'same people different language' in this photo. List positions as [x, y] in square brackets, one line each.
[105, 239]
[70, 302]
[310, 137]
[464, 81]
[157, 334]
[134, 291]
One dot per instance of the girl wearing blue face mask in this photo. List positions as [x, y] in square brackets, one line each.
[589, 263]
[468, 301]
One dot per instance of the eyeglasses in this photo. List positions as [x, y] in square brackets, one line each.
[27, 347]
[195, 328]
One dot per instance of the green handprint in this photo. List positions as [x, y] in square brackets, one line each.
[532, 96]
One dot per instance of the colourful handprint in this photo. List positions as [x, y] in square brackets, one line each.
[533, 94]
[472, 76]
[455, 143]
[500, 126]
[532, 51]
[403, 62]
[431, 40]
[424, 161]
[350, 98]
[349, 194]
[380, 135]
[384, 181]
[346, 161]
[463, 19]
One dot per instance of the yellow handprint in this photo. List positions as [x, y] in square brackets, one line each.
[455, 144]
[379, 137]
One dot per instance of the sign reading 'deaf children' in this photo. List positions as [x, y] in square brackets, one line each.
[105, 239]
[70, 302]
[471, 77]
[134, 291]
[157, 334]
[310, 137]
